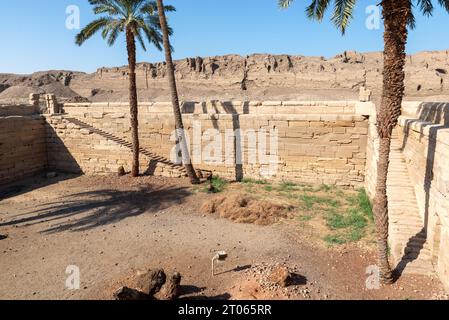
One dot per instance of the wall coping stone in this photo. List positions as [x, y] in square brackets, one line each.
[425, 127]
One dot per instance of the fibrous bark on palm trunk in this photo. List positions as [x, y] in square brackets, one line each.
[180, 132]
[396, 14]
[131, 47]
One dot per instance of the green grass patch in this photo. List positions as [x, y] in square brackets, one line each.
[362, 203]
[253, 181]
[349, 225]
[365, 204]
[352, 219]
[335, 239]
[268, 188]
[325, 188]
[305, 217]
[356, 235]
[218, 184]
[307, 189]
[309, 201]
[286, 186]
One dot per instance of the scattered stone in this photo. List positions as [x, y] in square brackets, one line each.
[3, 236]
[171, 289]
[128, 294]
[280, 276]
[151, 282]
[121, 171]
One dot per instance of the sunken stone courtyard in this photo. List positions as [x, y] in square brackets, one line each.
[300, 213]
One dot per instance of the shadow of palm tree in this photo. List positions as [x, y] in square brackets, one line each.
[412, 250]
[88, 210]
[32, 183]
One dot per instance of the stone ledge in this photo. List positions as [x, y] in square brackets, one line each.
[424, 128]
[254, 107]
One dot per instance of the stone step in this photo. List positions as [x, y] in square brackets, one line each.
[400, 220]
[421, 270]
[408, 235]
[407, 240]
[404, 213]
[411, 242]
[398, 182]
[421, 267]
[425, 251]
[399, 216]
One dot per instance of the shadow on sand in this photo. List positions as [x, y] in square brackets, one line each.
[88, 210]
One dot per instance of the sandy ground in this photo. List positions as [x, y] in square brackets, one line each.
[111, 227]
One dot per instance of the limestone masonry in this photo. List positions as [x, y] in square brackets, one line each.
[319, 142]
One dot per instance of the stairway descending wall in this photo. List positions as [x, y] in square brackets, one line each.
[408, 239]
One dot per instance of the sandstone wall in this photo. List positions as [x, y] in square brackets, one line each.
[318, 142]
[424, 130]
[22, 143]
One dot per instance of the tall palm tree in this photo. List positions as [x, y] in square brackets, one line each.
[397, 16]
[181, 137]
[130, 17]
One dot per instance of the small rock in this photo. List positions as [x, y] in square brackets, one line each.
[280, 276]
[121, 171]
[151, 282]
[171, 289]
[128, 294]
[3, 236]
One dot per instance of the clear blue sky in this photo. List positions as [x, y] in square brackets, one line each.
[34, 36]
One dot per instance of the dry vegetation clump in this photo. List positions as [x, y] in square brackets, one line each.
[337, 215]
[245, 210]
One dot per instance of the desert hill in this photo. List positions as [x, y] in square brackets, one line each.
[257, 77]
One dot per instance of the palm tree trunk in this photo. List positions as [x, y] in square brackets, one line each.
[395, 14]
[180, 132]
[131, 47]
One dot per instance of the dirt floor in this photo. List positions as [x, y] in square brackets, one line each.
[113, 227]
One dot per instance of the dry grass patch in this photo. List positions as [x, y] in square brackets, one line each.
[245, 209]
[336, 215]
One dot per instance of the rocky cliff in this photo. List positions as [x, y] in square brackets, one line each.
[258, 76]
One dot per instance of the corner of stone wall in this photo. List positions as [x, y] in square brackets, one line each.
[367, 109]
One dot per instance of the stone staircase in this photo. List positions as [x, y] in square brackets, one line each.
[408, 242]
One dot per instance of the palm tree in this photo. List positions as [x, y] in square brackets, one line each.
[181, 137]
[130, 17]
[397, 16]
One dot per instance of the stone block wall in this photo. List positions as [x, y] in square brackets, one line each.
[22, 143]
[424, 131]
[317, 142]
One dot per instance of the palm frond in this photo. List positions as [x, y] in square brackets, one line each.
[444, 4]
[425, 6]
[140, 39]
[91, 29]
[343, 13]
[317, 9]
[118, 15]
[284, 4]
